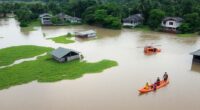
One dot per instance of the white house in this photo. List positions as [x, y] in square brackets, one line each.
[68, 18]
[46, 19]
[171, 24]
[133, 20]
[86, 34]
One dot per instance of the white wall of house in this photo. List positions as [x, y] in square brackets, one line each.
[133, 24]
[72, 20]
[171, 24]
[73, 57]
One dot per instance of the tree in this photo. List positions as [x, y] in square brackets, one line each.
[100, 15]
[56, 20]
[112, 22]
[5, 8]
[24, 16]
[193, 20]
[155, 18]
[54, 7]
[185, 28]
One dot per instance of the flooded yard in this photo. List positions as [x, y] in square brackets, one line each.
[115, 88]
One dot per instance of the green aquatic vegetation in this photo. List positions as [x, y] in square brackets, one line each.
[187, 35]
[45, 69]
[11, 54]
[65, 39]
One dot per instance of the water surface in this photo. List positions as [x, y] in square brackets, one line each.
[115, 88]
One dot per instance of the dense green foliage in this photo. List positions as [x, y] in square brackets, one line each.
[9, 55]
[45, 69]
[156, 15]
[109, 13]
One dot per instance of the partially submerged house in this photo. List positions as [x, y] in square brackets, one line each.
[86, 34]
[46, 19]
[196, 56]
[133, 20]
[170, 24]
[63, 55]
[68, 18]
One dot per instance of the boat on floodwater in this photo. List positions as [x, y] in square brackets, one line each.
[162, 84]
[151, 50]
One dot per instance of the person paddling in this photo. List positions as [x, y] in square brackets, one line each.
[154, 86]
[158, 81]
[165, 76]
[146, 86]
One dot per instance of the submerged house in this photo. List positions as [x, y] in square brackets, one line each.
[46, 19]
[68, 18]
[196, 56]
[63, 55]
[86, 34]
[170, 24]
[133, 20]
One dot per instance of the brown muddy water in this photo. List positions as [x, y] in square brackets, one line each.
[115, 88]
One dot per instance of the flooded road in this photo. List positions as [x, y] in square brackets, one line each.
[115, 88]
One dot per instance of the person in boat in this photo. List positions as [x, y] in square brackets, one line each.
[165, 76]
[146, 86]
[154, 49]
[154, 86]
[158, 81]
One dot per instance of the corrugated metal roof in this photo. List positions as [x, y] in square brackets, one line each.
[135, 17]
[61, 52]
[178, 19]
[86, 32]
[197, 53]
[45, 14]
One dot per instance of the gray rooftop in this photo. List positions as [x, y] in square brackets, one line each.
[45, 14]
[63, 15]
[61, 52]
[178, 19]
[135, 17]
[196, 53]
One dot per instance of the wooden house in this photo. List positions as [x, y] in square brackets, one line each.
[133, 20]
[170, 24]
[63, 55]
[46, 19]
[68, 18]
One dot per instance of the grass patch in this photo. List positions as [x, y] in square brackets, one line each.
[11, 54]
[143, 28]
[187, 35]
[45, 69]
[65, 39]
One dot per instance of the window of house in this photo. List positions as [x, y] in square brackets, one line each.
[131, 22]
[171, 23]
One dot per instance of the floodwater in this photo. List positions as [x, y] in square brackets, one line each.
[115, 88]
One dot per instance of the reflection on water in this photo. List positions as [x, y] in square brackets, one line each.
[115, 88]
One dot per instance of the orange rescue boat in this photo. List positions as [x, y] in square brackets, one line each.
[162, 84]
[151, 50]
